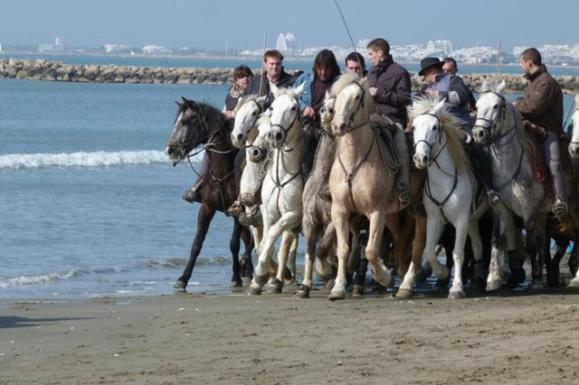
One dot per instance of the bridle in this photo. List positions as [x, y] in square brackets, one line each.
[285, 130]
[492, 124]
[361, 104]
[259, 111]
[439, 134]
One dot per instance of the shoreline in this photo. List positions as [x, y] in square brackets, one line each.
[41, 69]
[240, 339]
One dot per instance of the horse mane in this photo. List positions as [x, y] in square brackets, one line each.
[348, 78]
[450, 125]
[209, 117]
[243, 99]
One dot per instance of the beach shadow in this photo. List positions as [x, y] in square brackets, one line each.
[20, 322]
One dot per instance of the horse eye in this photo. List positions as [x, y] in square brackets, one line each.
[435, 127]
[496, 107]
[254, 113]
[293, 108]
[331, 110]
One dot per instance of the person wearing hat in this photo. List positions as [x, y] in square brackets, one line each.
[452, 89]
[389, 84]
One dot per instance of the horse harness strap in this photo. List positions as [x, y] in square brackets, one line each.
[439, 204]
[350, 176]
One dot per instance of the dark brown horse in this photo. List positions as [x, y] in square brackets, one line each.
[199, 124]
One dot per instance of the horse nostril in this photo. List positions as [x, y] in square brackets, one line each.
[239, 137]
[278, 136]
[424, 159]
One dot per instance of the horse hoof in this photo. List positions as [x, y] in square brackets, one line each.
[574, 284]
[380, 289]
[303, 292]
[456, 294]
[260, 279]
[235, 283]
[358, 290]
[404, 294]
[245, 281]
[493, 285]
[254, 290]
[275, 287]
[336, 295]
[536, 285]
[180, 286]
[329, 284]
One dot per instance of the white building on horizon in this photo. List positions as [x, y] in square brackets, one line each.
[156, 50]
[115, 48]
[286, 43]
[58, 46]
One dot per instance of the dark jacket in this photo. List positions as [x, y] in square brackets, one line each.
[285, 80]
[452, 89]
[393, 90]
[542, 103]
[231, 100]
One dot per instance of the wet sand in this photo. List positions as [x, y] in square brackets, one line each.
[277, 339]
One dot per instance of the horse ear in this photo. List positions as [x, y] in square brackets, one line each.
[485, 87]
[184, 99]
[177, 103]
[438, 107]
[274, 90]
[501, 86]
[299, 91]
[261, 100]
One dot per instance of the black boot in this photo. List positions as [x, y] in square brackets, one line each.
[192, 195]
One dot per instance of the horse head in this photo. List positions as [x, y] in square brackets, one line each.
[427, 131]
[574, 123]
[247, 112]
[351, 107]
[285, 115]
[260, 146]
[327, 112]
[195, 124]
[491, 105]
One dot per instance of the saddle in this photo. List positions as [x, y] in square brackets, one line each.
[539, 166]
[382, 126]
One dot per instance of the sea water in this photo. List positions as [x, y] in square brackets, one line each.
[89, 205]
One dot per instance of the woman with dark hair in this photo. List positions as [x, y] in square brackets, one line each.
[324, 72]
[242, 76]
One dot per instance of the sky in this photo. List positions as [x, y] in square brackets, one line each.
[208, 24]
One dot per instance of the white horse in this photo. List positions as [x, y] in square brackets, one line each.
[281, 192]
[251, 116]
[449, 192]
[498, 125]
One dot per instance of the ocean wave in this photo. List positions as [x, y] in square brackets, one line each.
[179, 263]
[81, 159]
[36, 279]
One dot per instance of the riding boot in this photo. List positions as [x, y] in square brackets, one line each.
[481, 162]
[238, 165]
[404, 173]
[553, 159]
[309, 139]
[192, 195]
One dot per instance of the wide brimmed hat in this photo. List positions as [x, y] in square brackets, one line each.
[429, 62]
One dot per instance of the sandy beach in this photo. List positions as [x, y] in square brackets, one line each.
[273, 339]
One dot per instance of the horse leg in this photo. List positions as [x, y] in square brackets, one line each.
[204, 217]
[457, 288]
[326, 245]
[311, 235]
[476, 246]
[496, 277]
[287, 238]
[287, 221]
[341, 223]
[246, 262]
[418, 244]
[234, 245]
[574, 284]
[292, 272]
[537, 243]
[434, 226]
[377, 219]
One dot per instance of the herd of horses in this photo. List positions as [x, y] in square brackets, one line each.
[348, 208]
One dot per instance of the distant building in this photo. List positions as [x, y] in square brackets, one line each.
[286, 43]
[59, 46]
[116, 48]
[156, 50]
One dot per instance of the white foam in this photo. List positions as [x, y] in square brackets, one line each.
[35, 279]
[81, 159]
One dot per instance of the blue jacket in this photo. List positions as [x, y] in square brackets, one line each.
[306, 98]
[452, 89]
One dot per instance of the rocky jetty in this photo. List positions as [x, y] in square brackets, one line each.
[58, 71]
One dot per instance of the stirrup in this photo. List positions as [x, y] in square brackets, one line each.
[560, 209]
[190, 195]
[248, 199]
[493, 197]
[235, 209]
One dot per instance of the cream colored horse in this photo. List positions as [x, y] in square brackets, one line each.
[360, 183]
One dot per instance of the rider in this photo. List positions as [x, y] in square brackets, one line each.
[273, 73]
[542, 110]
[355, 63]
[324, 72]
[390, 86]
[450, 67]
[452, 89]
[242, 75]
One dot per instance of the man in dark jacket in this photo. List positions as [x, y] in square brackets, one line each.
[273, 72]
[390, 87]
[453, 91]
[542, 110]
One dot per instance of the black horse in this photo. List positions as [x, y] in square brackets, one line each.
[199, 124]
